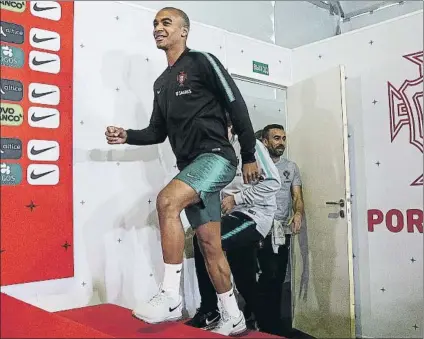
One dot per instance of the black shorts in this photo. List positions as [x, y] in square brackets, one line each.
[238, 230]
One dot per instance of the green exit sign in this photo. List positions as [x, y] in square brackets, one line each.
[260, 68]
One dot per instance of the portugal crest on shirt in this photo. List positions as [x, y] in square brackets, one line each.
[181, 78]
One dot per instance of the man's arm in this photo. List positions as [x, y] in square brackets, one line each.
[268, 184]
[297, 197]
[296, 191]
[223, 84]
[155, 133]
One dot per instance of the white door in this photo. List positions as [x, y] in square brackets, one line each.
[322, 273]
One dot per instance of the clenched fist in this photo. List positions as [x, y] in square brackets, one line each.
[115, 135]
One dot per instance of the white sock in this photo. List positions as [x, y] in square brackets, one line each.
[172, 278]
[229, 303]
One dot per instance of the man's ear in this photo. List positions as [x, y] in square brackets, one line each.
[185, 32]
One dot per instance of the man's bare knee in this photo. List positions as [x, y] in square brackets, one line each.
[166, 203]
[176, 196]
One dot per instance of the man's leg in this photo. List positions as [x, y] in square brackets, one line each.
[283, 262]
[209, 236]
[207, 315]
[234, 233]
[240, 240]
[167, 304]
[243, 266]
[208, 175]
[273, 271]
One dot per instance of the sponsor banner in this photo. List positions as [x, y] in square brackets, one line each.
[11, 114]
[44, 94]
[43, 150]
[50, 10]
[11, 56]
[11, 175]
[13, 6]
[10, 32]
[36, 81]
[43, 117]
[43, 174]
[10, 148]
[44, 62]
[44, 39]
[11, 90]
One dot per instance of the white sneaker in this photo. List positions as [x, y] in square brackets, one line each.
[230, 326]
[161, 308]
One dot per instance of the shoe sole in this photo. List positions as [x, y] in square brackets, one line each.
[239, 333]
[152, 322]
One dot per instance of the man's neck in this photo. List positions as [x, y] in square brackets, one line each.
[275, 159]
[174, 53]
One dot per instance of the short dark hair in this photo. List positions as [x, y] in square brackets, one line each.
[181, 13]
[258, 134]
[267, 128]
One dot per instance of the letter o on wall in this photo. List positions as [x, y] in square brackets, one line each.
[394, 221]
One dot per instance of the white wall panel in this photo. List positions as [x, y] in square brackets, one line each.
[388, 282]
[250, 18]
[242, 51]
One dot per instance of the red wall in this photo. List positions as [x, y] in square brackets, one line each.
[36, 145]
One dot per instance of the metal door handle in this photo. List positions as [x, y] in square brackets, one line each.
[341, 203]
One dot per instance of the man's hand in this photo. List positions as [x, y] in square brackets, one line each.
[227, 204]
[297, 223]
[250, 172]
[115, 135]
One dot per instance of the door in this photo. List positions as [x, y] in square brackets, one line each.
[266, 102]
[322, 273]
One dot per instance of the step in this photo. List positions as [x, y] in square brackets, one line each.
[118, 321]
[22, 320]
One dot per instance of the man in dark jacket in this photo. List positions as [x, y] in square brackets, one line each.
[190, 100]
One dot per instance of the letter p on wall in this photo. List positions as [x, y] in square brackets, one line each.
[395, 220]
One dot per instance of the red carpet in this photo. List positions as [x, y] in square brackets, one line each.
[21, 320]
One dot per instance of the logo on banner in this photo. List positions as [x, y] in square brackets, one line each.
[43, 117]
[12, 56]
[406, 108]
[11, 33]
[11, 115]
[42, 174]
[10, 148]
[11, 90]
[13, 6]
[42, 39]
[44, 94]
[43, 150]
[11, 174]
[44, 62]
[50, 10]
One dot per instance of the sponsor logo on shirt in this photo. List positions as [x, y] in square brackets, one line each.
[184, 92]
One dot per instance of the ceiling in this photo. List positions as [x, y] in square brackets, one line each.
[350, 9]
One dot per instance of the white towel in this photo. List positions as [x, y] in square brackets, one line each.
[278, 234]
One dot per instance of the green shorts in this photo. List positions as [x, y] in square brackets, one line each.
[208, 174]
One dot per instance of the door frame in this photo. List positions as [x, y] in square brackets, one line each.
[274, 85]
[348, 190]
[257, 81]
[348, 201]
